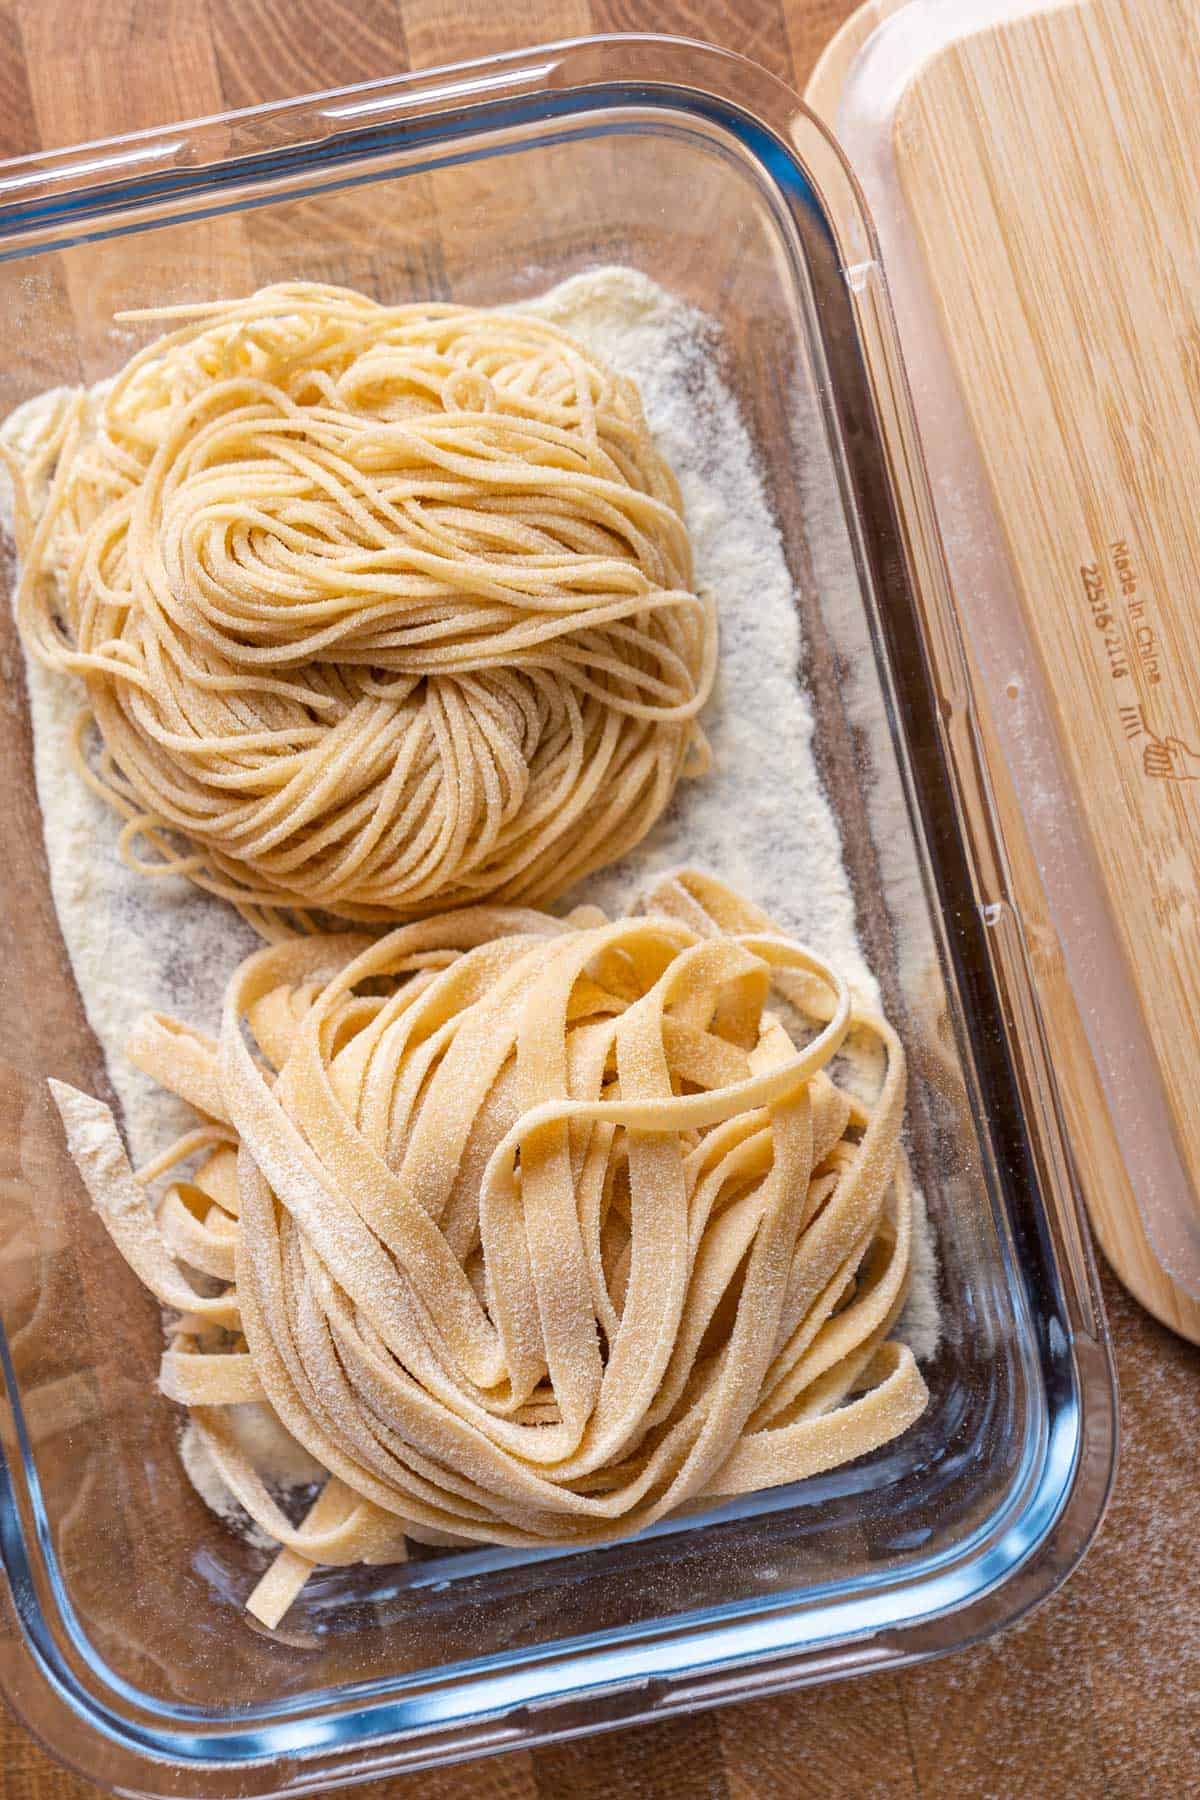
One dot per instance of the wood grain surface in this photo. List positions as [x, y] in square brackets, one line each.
[1113, 1209]
[1081, 377]
[1095, 1694]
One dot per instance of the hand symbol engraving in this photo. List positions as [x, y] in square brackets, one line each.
[1170, 759]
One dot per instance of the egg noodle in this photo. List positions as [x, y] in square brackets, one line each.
[379, 609]
[530, 1230]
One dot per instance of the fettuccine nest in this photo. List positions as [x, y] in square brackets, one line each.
[531, 1231]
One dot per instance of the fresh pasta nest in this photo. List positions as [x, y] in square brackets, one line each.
[378, 609]
[530, 1230]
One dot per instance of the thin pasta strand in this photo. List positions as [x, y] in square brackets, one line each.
[379, 609]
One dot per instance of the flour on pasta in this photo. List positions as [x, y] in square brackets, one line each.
[759, 819]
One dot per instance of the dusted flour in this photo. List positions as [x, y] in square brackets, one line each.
[759, 819]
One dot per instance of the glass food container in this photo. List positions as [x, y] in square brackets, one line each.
[123, 1643]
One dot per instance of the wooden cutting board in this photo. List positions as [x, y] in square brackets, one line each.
[1046, 166]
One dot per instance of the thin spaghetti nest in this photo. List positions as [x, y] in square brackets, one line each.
[377, 608]
[531, 1231]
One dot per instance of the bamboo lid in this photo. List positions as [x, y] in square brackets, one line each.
[1028, 171]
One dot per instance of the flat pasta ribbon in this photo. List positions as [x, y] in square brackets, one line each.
[379, 609]
[531, 1231]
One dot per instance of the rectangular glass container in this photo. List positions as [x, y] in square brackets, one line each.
[123, 1642]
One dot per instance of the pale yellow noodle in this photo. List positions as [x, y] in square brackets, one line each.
[531, 1231]
[378, 609]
